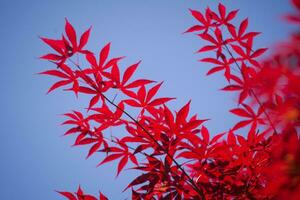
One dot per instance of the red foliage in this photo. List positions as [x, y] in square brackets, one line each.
[79, 195]
[182, 160]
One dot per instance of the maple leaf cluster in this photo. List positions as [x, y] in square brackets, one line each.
[268, 102]
[176, 155]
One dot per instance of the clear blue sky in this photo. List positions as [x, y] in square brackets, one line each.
[35, 160]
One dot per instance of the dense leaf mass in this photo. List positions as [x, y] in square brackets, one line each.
[175, 154]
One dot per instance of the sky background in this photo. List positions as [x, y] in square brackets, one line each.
[35, 159]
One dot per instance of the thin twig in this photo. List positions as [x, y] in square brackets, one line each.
[251, 90]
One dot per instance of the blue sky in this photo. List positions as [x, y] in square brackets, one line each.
[35, 160]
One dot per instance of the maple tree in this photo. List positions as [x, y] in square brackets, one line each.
[176, 155]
